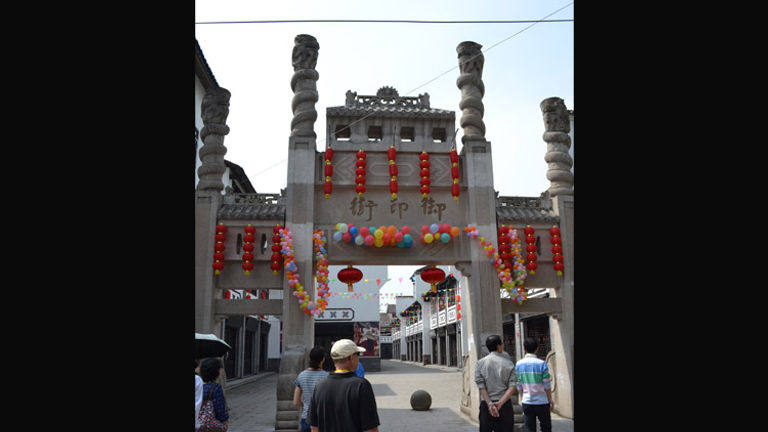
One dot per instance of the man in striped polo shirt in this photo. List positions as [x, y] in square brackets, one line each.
[534, 382]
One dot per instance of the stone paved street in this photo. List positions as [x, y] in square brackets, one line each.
[253, 404]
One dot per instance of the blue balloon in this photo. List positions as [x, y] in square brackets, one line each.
[353, 231]
[445, 238]
[407, 238]
[433, 228]
[408, 242]
[337, 236]
[401, 243]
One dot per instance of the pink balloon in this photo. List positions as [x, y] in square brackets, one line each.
[369, 240]
[424, 229]
[387, 239]
[399, 237]
[406, 229]
[364, 231]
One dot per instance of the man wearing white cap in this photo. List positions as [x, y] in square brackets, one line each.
[344, 402]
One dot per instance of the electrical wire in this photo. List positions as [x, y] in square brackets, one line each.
[385, 21]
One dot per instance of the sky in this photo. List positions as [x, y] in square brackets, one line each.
[253, 62]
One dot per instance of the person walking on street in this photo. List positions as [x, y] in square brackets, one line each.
[306, 382]
[535, 384]
[210, 369]
[344, 402]
[496, 380]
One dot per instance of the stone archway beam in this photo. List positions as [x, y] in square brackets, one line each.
[248, 307]
[533, 305]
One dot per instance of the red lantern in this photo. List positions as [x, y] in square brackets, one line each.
[424, 165]
[360, 180]
[455, 174]
[432, 276]
[277, 257]
[530, 239]
[218, 247]
[248, 239]
[327, 186]
[349, 276]
[391, 155]
[557, 250]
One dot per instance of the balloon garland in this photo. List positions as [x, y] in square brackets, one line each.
[438, 233]
[321, 274]
[512, 279]
[292, 273]
[373, 236]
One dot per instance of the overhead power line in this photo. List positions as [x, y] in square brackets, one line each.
[384, 21]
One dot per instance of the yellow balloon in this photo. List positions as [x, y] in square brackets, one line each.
[428, 238]
[378, 234]
[378, 242]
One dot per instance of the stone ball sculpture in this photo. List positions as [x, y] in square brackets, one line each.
[421, 400]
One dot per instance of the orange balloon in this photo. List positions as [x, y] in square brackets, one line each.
[392, 230]
[455, 231]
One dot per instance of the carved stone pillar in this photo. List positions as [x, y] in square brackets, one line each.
[215, 109]
[557, 125]
[472, 90]
[303, 85]
[298, 328]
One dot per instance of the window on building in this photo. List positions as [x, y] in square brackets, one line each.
[438, 135]
[407, 134]
[342, 133]
[374, 133]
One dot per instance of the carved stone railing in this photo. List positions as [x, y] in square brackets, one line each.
[386, 96]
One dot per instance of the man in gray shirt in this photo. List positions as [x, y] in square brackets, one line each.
[496, 379]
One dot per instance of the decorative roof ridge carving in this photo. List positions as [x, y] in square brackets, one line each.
[386, 96]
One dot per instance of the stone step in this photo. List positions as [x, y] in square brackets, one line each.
[290, 425]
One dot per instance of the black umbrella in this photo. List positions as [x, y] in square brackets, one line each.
[209, 345]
